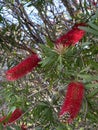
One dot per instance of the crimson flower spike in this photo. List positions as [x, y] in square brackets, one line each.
[72, 102]
[23, 68]
[14, 116]
[71, 37]
[94, 3]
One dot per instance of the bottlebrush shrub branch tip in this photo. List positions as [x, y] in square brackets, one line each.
[71, 37]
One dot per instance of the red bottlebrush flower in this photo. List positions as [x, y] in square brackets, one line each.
[23, 127]
[15, 115]
[2, 119]
[23, 68]
[72, 37]
[94, 3]
[72, 102]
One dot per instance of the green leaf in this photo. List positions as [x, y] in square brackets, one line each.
[95, 65]
[88, 78]
[85, 69]
[49, 43]
[94, 26]
[8, 128]
[93, 93]
[43, 112]
[38, 128]
[89, 86]
[96, 15]
[17, 127]
[46, 61]
[47, 50]
[92, 117]
[60, 128]
[49, 61]
[88, 29]
[12, 109]
[1, 126]
[85, 44]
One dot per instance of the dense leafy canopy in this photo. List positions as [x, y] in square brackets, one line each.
[35, 25]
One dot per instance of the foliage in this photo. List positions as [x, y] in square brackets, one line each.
[35, 25]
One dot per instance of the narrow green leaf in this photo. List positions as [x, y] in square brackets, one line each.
[61, 127]
[85, 44]
[94, 26]
[85, 69]
[17, 127]
[88, 29]
[38, 128]
[8, 128]
[89, 86]
[49, 43]
[87, 77]
[96, 13]
[93, 93]
[12, 109]
[49, 61]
